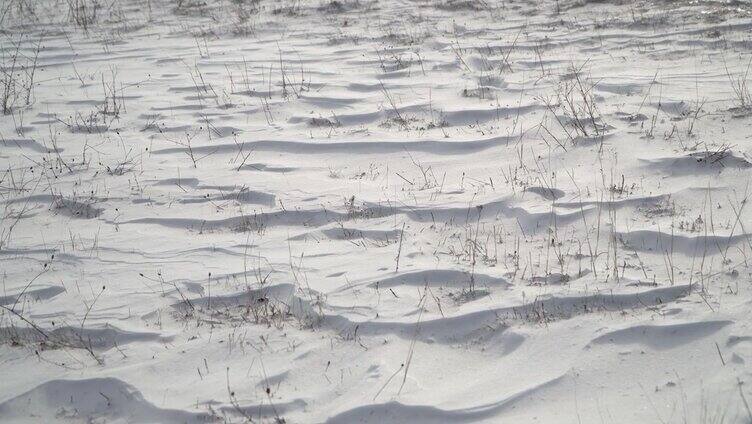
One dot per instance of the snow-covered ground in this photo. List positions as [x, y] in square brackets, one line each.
[375, 211]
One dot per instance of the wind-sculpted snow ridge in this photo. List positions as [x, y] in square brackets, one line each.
[373, 211]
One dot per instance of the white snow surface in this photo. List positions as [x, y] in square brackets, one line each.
[421, 211]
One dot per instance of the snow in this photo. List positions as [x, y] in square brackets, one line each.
[375, 211]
